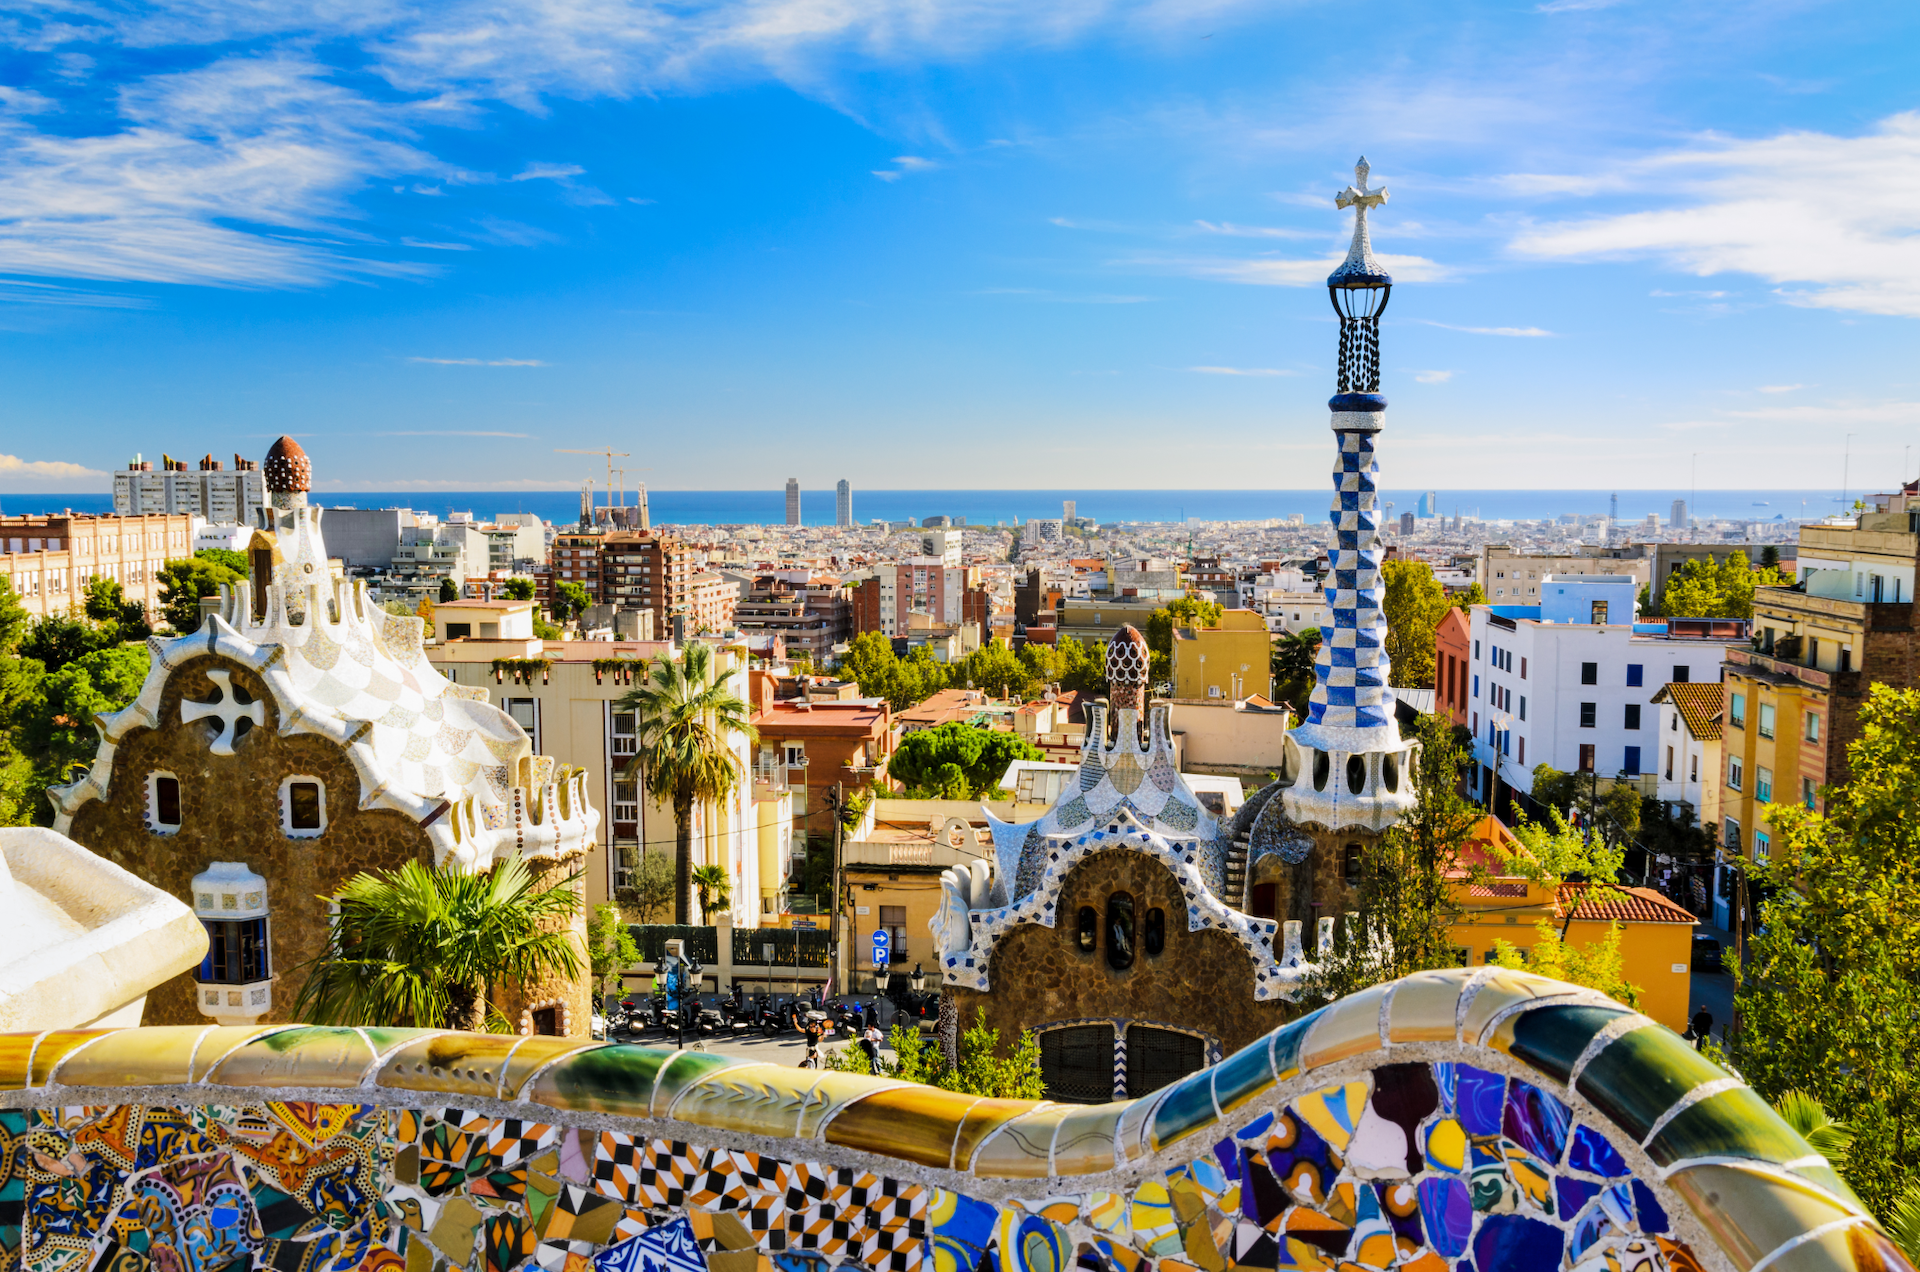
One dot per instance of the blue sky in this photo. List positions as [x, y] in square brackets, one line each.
[957, 243]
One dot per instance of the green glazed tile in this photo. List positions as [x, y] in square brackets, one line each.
[221, 1041]
[1286, 1044]
[1504, 989]
[1552, 1038]
[55, 1046]
[1187, 1108]
[616, 1079]
[1639, 1075]
[159, 1055]
[306, 1055]
[1243, 1075]
[1856, 1246]
[1734, 1123]
[1829, 1179]
[1752, 1213]
[1424, 1007]
[684, 1068]
[384, 1040]
[533, 1053]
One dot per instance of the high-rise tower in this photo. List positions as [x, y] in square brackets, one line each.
[1351, 764]
[843, 503]
[793, 501]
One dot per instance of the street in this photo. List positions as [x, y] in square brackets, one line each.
[1714, 990]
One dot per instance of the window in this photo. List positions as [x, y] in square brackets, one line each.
[1586, 757]
[1589, 712]
[626, 801]
[1763, 784]
[1679, 674]
[1523, 706]
[546, 1021]
[1737, 710]
[1476, 685]
[1523, 751]
[1669, 773]
[163, 803]
[1633, 761]
[1076, 1063]
[1087, 929]
[1760, 845]
[1731, 834]
[1633, 715]
[796, 754]
[1806, 791]
[799, 801]
[1598, 612]
[303, 807]
[1635, 673]
[1766, 719]
[624, 742]
[1693, 767]
[1120, 931]
[894, 919]
[1154, 934]
[456, 631]
[1351, 862]
[1523, 668]
[1736, 772]
[1589, 673]
[1476, 651]
[1813, 727]
[1846, 658]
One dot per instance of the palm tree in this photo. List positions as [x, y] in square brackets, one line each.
[715, 888]
[685, 723]
[426, 947]
[1292, 660]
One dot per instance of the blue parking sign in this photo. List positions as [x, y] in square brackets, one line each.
[880, 944]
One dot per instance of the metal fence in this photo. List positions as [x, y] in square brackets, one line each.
[792, 947]
[702, 944]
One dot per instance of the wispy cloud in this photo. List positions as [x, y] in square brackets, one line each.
[1276, 271]
[1230, 230]
[1833, 222]
[448, 432]
[1242, 371]
[480, 362]
[1062, 298]
[547, 172]
[1433, 377]
[903, 165]
[20, 291]
[1526, 332]
[45, 469]
[1781, 388]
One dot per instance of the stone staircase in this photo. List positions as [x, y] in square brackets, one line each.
[1237, 875]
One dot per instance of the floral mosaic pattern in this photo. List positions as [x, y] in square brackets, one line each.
[1450, 1122]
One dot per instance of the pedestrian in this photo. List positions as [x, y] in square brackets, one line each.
[870, 1043]
[1702, 1026]
[812, 1058]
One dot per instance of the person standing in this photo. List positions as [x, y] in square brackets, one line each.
[870, 1043]
[1702, 1026]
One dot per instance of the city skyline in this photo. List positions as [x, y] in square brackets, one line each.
[712, 234]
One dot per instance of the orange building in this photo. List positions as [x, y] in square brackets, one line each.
[1451, 641]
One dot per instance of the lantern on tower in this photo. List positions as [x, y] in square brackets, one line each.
[235, 983]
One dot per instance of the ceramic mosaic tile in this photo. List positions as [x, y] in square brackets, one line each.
[1483, 1158]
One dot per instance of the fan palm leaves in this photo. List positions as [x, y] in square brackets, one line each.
[426, 947]
[715, 887]
[686, 723]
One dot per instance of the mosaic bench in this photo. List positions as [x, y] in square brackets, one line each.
[1452, 1120]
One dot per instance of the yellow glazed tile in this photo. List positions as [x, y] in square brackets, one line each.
[1019, 1149]
[1348, 1028]
[453, 1063]
[55, 1046]
[1335, 1112]
[15, 1050]
[830, 1093]
[917, 1123]
[1504, 989]
[758, 1099]
[1423, 1008]
[1750, 1213]
[217, 1043]
[305, 1056]
[534, 1053]
[159, 1055]
[982, 1120]
[1084, 1144]
[1858, 1245]
[1136, 1118]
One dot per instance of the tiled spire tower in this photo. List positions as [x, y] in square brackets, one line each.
[1356, 775]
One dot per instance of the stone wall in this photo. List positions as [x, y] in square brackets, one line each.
[230, 811]
[1202, 981]
[1315, 888]
[1452, 1120]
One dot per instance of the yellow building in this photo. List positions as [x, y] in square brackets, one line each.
[1656, 942]
[1230, 662]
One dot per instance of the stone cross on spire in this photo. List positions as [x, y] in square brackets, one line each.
[1358, 197]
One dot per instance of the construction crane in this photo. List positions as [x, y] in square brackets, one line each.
[609, 452]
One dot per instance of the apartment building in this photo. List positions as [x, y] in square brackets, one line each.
[933, 584]
[815, 745]
[50, 560]
[1452, 647]
[1689, 747]
[1515, 578]
[1089, 621]
[1793, 704]
[209, 491]
[1569, 682]
[566, 695]
[649, 571]
[810, 613]
[575, 559]
[1233, 660]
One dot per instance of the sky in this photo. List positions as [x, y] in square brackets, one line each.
[957, 243]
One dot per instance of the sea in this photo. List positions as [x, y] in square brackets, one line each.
[1009, 507]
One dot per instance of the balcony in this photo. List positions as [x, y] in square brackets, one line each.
[1777, 668]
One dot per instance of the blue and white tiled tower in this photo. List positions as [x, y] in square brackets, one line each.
[1352, 766]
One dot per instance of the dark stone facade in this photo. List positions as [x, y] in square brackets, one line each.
[1201, 981]
[1312, 889]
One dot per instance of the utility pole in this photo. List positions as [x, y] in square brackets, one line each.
[833, 919]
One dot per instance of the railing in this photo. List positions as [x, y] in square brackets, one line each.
[1779, 666]
[792, 947]
[702, 944]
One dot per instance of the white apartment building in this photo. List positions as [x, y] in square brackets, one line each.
[1515, 578]
[1569, 682]
[50, 560]
[211, 491]
[1687, 754]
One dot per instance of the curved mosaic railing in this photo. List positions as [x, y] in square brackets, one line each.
[1481, 1120]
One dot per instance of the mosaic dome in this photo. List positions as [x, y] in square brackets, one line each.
[287, 469]
[1127, 664]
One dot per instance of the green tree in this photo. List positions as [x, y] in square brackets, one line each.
[1292, 665]
[427, 948]
[58, 731]
[997, 670]
[1829, 1001]
[1702, 589]
[1414, 604]
[225, 558]
[715, 888]
[977, 758]
[1598, 965]
[648, 896]
[1469, 596]
[1188, 611]
[1407, 880]
[611, 948]
[1770, 557]
[570, 600]
[118, 618]
[1614, 809]
[1074, 666]
[184, 582]
[14, 619]
[449, 590]
[519, 589]
[880, 673]
[58, 639]
[982, 1069]
[686, 723]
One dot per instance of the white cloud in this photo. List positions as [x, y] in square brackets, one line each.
[1231, 230]
[1433, 377]
[547, 172]
[45, 469]
[451, 432]
[1241, 371]
[1525, 332]
[480, 362]
[1833, 222]
[1780, 388]
[1276, 271]
[907, 164]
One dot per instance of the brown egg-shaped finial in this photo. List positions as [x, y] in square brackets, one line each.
[287, 469]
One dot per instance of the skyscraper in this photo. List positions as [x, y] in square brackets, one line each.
[793, 501]
[1430, 504]
[1613, 507]
[842, 503]
[1068, 508]
[1678, 517]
